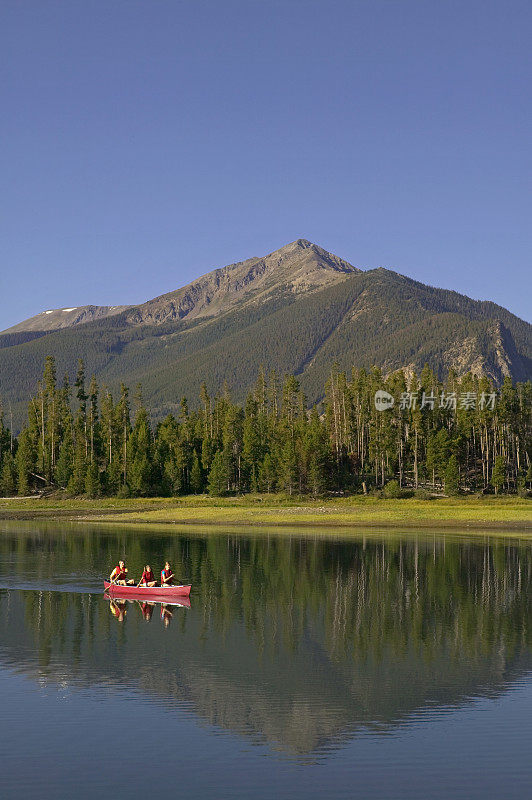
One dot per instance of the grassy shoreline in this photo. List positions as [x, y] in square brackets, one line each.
[493, 513]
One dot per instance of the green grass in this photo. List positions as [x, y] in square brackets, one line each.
[510, 513]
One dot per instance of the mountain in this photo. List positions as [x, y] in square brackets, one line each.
[298, 310]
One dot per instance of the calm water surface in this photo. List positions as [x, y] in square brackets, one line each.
[382, 667]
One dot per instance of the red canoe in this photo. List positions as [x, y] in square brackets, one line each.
[158, 594]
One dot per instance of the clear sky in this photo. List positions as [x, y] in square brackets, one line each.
[145, 142]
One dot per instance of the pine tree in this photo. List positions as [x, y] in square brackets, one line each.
[76, 483]
[498, 477]
[529, 475]
[82, 398]
[123, 424]
[51, 418]
[268, 474]
[6, 443]
[288, 467]
[316, 455]
[92, 480]
[65, 458]
[64, 465]
[8, 476]
[108, 428]
[93, 422]
[218, 476]
[169, 456]
[252, 447]
[186, 443]
[438, 453]
[452, 476]
[25, 461]
[207, 422]
[140, 455]
[196, 476]
[232, 445]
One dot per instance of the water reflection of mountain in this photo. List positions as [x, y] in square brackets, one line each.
[297, 642]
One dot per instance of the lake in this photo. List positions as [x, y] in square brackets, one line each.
[308, 665]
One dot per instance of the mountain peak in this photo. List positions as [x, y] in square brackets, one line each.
[302, 251]
[297, 267]
[298, 244]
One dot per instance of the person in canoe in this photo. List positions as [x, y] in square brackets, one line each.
[167, 576]
[148, 578]
[119, 575]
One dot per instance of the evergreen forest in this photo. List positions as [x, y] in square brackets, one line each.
[462, 434]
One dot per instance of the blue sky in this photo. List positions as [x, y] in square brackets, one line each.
[145, 142]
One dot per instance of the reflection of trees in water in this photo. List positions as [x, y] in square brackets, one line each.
[372, 595]
[295, 640]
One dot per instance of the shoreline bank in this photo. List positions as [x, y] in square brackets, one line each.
[493, 514]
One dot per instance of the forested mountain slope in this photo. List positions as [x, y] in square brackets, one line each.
[297, 310]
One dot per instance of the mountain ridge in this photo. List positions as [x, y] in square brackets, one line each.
[57, 318]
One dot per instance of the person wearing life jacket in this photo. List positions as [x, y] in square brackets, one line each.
[167, 576]
[148, 578]
[119, 575]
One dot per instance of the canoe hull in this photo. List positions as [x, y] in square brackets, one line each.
[157, 594]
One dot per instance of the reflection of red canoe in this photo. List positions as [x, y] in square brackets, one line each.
[178, 602]
[181, 602]
[157, 594]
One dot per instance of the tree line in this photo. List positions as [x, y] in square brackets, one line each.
[461, 434]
